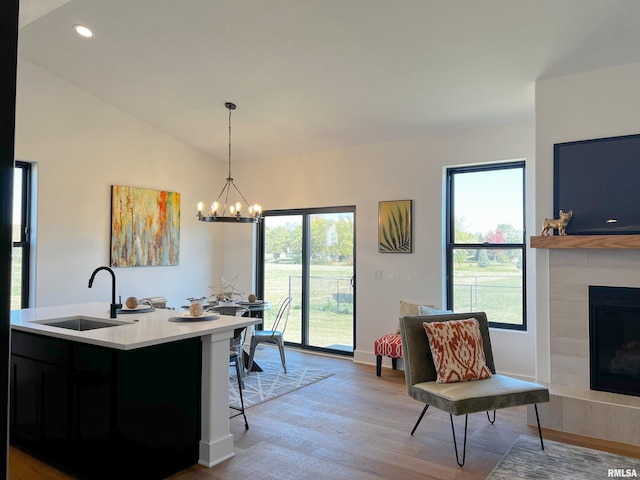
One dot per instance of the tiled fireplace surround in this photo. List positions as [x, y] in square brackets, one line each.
[574, 407]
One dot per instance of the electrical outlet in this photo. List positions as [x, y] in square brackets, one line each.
[377, 273]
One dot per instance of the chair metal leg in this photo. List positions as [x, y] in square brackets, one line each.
[492, 421]
[455, 445]
[241, 365]
[535, 406]
[280, 343]
[494, 418]
[240, 386]
[420, 418]
[239, 372]
[252, 350]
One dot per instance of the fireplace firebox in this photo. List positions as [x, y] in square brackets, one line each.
[614, 339]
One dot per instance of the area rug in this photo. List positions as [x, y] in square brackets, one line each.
[272, 382]
[526, 460]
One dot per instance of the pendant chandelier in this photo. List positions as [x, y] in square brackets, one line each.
[221, 209]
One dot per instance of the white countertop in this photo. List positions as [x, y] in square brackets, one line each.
[139, 329]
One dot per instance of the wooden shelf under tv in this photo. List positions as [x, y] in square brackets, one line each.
[586, 241]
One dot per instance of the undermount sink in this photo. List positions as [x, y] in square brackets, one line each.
[82, 323]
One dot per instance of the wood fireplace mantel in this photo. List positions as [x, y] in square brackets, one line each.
[586, 241]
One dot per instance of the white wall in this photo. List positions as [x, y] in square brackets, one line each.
[237, 247]
[597, 104]
[82, 146]
[411, 169]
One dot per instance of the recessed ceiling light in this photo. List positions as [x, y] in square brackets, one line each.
[82, 30]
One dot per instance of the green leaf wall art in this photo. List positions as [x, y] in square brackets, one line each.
[394, 226]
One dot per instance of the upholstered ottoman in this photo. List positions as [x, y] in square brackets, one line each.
[387, 346]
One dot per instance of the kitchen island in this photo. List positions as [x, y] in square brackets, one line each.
[151, 389]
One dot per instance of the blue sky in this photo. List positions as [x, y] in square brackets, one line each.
[488, 198]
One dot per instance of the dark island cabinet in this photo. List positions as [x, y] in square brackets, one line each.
[93, 398]
[103, 413]
[39, 402]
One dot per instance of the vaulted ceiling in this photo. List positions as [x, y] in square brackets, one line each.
[311, 75]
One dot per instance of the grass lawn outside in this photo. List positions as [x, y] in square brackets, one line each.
[331, 321]
[495, 289]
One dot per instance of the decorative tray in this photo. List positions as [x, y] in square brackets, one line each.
[187, 317]
[138, 309]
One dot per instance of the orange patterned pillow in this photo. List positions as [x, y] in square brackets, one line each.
[457, 350]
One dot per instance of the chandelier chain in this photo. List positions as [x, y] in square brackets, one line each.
[230, 110]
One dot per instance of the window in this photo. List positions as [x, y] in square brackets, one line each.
[20, 235]
[485, 242]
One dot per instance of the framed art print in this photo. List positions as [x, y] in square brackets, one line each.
[145, 227]
[394, 226]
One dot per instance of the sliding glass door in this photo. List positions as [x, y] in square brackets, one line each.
[309, 255]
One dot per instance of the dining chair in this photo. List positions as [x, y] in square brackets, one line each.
[237, 342]
[234, 357]
[274, 335]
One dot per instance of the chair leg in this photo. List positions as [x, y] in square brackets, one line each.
[394, 363]
[281, 348]
[239, 373]
[535, 406]
[240, 387]
[494, 418]
[378, 364]
[252, 350]
[241, 364]
[420, 418]
[455, 445]
[492, 421]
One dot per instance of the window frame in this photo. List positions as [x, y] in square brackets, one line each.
[24, 242]
[451, 246]
[306, 214]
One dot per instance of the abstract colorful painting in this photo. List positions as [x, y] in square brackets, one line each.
[145, 227]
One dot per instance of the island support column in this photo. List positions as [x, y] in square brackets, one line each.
[216, 444]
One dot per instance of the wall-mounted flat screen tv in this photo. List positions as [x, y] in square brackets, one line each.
[599, 180]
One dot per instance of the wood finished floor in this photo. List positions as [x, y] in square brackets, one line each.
[352, 425]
